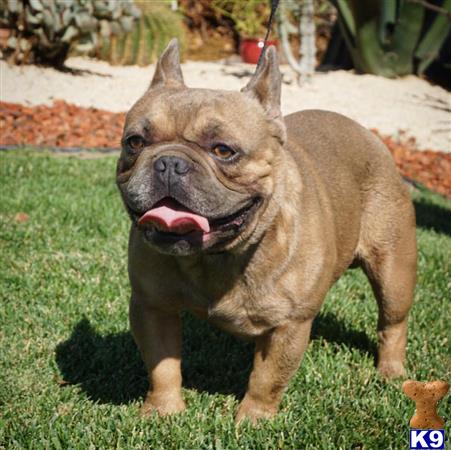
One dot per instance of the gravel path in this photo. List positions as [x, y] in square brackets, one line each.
[408, 105]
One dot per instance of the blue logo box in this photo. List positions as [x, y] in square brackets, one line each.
[427, 439]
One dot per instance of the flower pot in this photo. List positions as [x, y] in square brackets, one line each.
[5, 33]
[250, 49]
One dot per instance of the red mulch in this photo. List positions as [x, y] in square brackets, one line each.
[60, 125]
[430, 168]
[65, 125]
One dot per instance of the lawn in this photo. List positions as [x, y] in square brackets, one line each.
[70, 374]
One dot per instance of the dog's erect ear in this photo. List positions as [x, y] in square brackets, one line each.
[168, 71]
[265, 85]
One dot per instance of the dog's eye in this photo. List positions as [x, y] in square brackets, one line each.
[223, 152]
[135, 142]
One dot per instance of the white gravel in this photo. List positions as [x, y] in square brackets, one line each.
[410, 104]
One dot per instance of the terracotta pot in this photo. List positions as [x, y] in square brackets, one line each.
[250, 49]
[5, 33]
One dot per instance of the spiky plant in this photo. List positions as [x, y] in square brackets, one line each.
[393, 37]
[156, 26]
[43, 31]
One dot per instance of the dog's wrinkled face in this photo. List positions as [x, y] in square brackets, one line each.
[197, 169]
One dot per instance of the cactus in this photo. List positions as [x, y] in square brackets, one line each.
[44, 31]
[393, 37]
[303, 11]
[156, 26]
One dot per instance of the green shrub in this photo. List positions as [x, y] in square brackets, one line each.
[249, 17]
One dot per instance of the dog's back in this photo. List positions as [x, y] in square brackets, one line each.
[355, 170]
[347, 156]
[346, 169]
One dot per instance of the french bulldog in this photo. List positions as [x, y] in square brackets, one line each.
[247, 218]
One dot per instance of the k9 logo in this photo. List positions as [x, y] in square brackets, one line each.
[427, 439]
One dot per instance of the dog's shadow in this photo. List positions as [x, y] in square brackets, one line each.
[109, 368]
[431, 216]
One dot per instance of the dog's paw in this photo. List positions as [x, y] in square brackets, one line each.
[254, 411]
[163, 405]
[391, 369]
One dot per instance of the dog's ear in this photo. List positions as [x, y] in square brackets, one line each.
[168, 72]
[265, 85]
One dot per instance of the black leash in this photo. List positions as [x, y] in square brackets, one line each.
[274, 5]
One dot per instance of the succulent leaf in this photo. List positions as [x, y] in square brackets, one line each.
[52, 27]
[12, 42]
[33, 18]
[49, 19]
[24, 45]
[70, 33]
[36, 5]
[391, 38]
[14, 6]
[126, 23]
[67, 17]
[105, 28]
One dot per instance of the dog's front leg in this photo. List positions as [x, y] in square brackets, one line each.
[277, 356]
[158, 336]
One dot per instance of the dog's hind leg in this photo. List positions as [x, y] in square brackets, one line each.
[388, 257]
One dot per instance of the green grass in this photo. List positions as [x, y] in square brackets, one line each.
[71, 377]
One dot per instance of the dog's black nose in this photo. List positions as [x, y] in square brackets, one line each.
[178, 166]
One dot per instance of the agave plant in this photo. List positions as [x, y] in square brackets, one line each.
[393, 37]
[45, 30]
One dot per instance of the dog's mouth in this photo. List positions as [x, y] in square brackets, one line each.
[173, 221]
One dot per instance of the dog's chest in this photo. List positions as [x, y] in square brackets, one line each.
[241, 311]
[221, 293]
[240, 317]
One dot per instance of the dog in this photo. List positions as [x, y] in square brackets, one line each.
[247, 218]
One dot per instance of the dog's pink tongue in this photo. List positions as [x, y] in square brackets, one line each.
[169, 217]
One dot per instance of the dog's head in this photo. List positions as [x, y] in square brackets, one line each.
[199, 167]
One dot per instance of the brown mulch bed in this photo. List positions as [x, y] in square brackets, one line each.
[60, 125]
[66, 125]
[430, 168]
